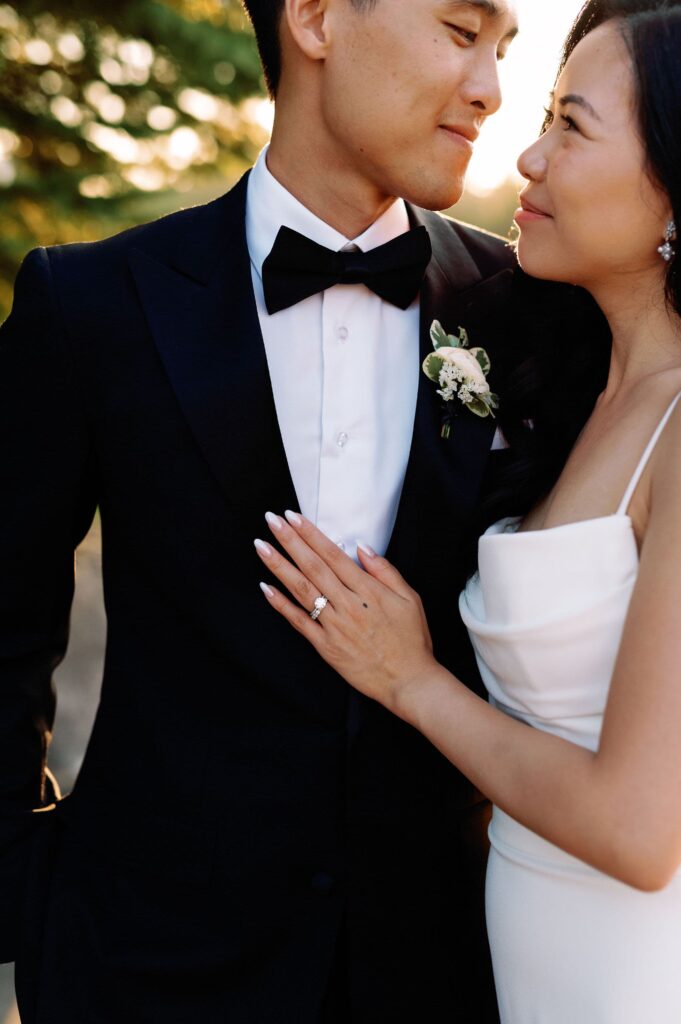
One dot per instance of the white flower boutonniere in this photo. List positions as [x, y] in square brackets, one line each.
[461, 374]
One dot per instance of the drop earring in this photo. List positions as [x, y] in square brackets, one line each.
[667, 251]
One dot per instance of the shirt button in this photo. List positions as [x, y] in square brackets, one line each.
[342, 439]
[342, 333]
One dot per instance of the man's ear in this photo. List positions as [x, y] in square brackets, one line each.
[309, 26]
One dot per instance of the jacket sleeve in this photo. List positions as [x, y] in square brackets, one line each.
[47, 501]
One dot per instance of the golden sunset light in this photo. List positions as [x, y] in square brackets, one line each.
[527, 76]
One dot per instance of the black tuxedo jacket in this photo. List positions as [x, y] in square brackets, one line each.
[238, 802]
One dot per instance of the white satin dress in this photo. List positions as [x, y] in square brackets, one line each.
[546, 612]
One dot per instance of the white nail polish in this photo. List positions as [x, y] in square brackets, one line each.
[369, 552]
[274, 521]
[267, 591]
[263, 548]
[294, 519]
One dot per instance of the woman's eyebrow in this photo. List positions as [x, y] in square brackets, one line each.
[579, 101]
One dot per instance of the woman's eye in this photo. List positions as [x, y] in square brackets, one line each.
[568, 124]
[463, 33]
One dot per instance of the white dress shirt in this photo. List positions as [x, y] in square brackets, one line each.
[344, 367]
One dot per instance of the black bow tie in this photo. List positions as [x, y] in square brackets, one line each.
[298, 267]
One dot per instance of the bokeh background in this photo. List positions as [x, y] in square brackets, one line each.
[113, 112]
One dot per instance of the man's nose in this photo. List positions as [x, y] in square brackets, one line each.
[482, 89]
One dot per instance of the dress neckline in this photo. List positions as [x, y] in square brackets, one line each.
[623, 517]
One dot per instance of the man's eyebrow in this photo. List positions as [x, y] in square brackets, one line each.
[579, 101]
[488, 7]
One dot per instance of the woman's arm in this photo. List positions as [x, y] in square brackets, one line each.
[619, 809]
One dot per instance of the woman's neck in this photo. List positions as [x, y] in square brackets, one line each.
[646, 332]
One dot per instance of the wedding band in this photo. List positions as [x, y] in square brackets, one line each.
[319, 606]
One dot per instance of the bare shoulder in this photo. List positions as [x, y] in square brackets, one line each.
[665, 472]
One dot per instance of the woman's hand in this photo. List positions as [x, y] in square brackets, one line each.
[373, 631]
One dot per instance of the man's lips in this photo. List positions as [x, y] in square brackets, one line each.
[467, 132]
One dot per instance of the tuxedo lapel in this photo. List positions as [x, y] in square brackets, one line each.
[200, 307]
[442, 478]
[440, 484]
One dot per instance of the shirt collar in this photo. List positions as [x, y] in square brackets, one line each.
[270, 206]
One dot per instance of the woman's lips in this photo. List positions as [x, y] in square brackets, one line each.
[528, 217]
[529, 214]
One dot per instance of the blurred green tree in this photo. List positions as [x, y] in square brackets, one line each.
[491, 210]
[108, 110]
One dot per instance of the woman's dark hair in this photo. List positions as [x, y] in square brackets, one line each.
[265, 16]
[564, 339]
[652, 32]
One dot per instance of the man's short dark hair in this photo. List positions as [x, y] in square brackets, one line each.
[265, 17]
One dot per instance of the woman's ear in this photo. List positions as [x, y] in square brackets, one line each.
[309, 26]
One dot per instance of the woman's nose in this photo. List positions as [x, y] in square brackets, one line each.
[533, 162]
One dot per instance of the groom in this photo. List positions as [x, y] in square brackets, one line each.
[247, 841]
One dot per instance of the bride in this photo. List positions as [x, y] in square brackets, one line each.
[574, 610]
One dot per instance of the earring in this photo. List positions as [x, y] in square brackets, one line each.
[667, 251]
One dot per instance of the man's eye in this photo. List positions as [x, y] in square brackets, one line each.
[463, 33]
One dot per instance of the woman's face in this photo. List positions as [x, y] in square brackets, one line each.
[591, 214]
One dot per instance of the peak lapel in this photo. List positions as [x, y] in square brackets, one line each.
[199, 302]
[443, 476]
[442, 479]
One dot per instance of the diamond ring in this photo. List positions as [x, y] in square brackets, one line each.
[319, 606]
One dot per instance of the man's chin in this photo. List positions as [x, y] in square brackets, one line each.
[437, 196]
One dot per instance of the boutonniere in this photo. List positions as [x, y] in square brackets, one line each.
[461, 373]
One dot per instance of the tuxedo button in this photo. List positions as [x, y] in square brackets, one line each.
[322, 882]
[342, 333]
[342, 439]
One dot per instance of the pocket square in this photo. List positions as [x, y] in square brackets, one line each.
[499, 442]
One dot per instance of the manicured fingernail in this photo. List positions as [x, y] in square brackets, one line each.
[274, 521]
[369, 552]
[267, 591]
[294, 519]
[263, 548]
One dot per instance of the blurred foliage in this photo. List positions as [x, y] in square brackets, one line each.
[492, 211]
[108, 110]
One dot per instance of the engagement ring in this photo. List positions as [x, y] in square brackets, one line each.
[319, 606]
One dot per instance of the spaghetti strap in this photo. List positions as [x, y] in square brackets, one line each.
[638, 472]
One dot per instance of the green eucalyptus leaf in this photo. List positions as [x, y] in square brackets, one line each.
[479, 407]
[462, 341]
[438, 335]
[432, 365]
[483, 359]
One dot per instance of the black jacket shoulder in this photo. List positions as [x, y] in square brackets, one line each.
[491, 252]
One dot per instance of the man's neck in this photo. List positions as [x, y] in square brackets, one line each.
[326, 186]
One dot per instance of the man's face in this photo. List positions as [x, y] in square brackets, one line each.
[406, 87]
